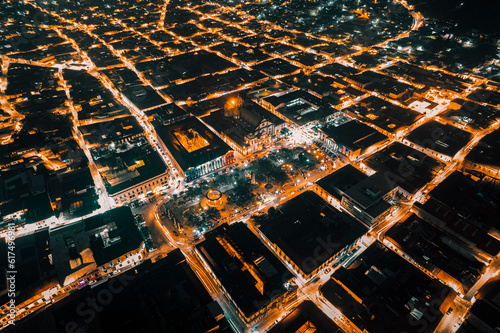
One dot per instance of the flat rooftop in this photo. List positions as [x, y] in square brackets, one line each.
[112, 234]
[385, 115]
[427, 246]
[166, 114]
[370, 190]
[301, 107]
[341, 180]
[410, 169]
[310, 231]
[444, 139]
[165, 296]
[382, 292]
[474, 200]
[122, 170]
[226, 248]
[191, 143]
[467, 208]
[32, 261]
[354, 135]
[487, 151]
[106, 132]
[306, 318]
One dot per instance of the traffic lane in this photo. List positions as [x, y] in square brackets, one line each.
[148, 213]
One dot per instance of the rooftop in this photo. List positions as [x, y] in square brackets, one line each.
[382, 292]
[125, 169]
[341, 180]
[244, 125]
[306, 315]
[244, 266]
[191, 143]
[308, 227]
[408, 168]
[370, 190]
[162, 297]
[354, 135]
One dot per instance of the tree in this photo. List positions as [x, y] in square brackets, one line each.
[243, 194]
[212, 214]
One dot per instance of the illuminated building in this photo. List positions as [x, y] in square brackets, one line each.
[246, 129]
[351, 139]
[131, 174]
[213, 199]
[194, 149]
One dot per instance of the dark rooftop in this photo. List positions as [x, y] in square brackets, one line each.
[370, 190]
[305, 316]
[141, 164]
[112, 234]
[407, 167]
[341, 180]
[382, 292]
[162, 297]
[239, 283]
[436, 250]
[36, 273]
[444, 139]
[308, 227]
[354, 135]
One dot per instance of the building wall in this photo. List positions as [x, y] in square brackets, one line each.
[355, 209]
[125, 259]
[358, 211]
[132, 193]
[209, 167]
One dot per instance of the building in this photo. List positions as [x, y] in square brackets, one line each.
[247, 130]
[23, 195]
[167, 114]
[484, 315]
[105, 243]
[249, 273]
[72, 193]
[36, 272]
[351, 139]
[193, 148]
[301, 109]
[306, 318]
[164, 296]
[131, 174]
[310, 234]
[368, 198]
[466, 209]
[381, 292]
[116, 131]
